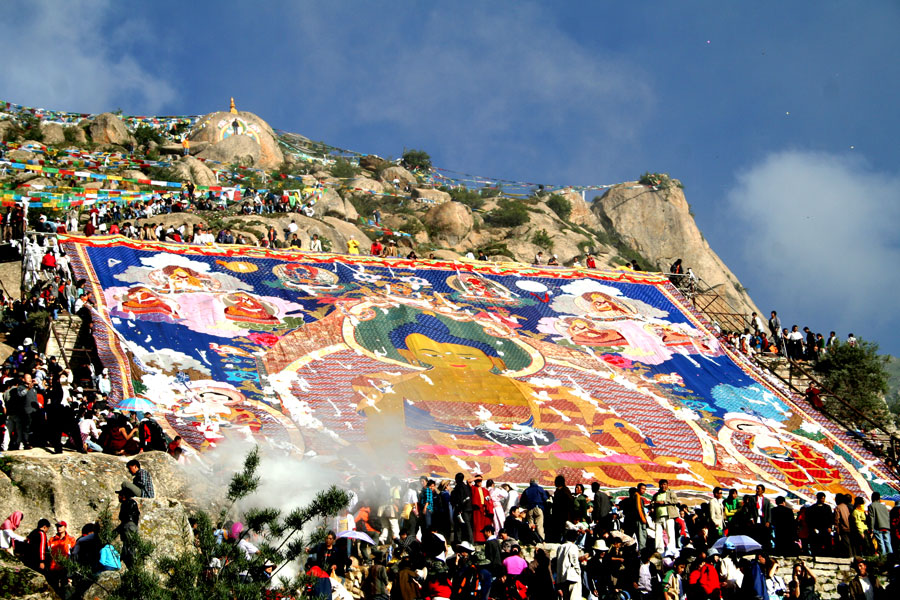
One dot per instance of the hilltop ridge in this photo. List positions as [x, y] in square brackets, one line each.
[422, 209]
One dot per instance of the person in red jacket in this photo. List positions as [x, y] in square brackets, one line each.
[704, 577]
[61, 546]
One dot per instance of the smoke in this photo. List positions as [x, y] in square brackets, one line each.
[285, 483]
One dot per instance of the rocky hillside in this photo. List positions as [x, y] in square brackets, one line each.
[652, 225]
[75, 488]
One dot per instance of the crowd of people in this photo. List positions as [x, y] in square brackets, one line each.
[772, 339]
[472, 539]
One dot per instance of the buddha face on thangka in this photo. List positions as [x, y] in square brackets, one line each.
[467, 399]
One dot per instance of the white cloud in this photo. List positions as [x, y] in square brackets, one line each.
[72, 56]
[819, 235]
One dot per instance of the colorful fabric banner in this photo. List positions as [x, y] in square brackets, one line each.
[374, 365]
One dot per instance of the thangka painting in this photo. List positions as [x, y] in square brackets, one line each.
[374, 365]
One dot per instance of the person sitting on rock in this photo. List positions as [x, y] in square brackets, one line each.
[142, 482]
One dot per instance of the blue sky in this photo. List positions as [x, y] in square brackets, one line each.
[780, 118]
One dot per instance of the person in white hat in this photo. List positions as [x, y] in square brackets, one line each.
[104, 385]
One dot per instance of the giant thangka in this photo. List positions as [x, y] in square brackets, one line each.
[368, 364]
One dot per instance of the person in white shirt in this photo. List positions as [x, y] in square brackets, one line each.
[568, 568]
[104, 385]
[89, 432]
[717, 510]
[315, 244]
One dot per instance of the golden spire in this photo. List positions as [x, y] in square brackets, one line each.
[232, 108]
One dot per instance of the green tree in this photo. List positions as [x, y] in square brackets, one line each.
[542, 238]
[145, 134]
[470, 198]
[30, 127]
[858, 375]
[344, 169]
[416, 159]
[188, 575]
[560, 205]
[509, 213]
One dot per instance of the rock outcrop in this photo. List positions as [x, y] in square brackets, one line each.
[450, 221]
[253, 143]
[236, 149]
[581, 210]
[53, 133]
[195, 171]
[107, 128]
[659, 225]
[364, 184]
[400, 175]
[431, 195]
[75, 487]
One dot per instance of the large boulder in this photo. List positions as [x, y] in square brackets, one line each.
[581, 210]
[236, 149]
[20, 156]
[107, 128]
[75, 487]
[53, 133]
[133, 174]
[450, 221]
[364, 184]
[370, 162]
[658, 224]
[340, 233]
[350, 212]
[22, 583]
[431, 195]
[330, 203]
[195, 171]
[7, 130]
[399, 177]
[217, 129]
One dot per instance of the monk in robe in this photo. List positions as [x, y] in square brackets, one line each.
[482, 509]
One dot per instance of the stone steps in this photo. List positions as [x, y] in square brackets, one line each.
[63, 336]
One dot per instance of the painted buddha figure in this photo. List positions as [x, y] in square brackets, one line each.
[587, 333]
[141, 300]
[603, 306]
[470, 285]
[244, 308]
[177, 279]
[460, 388]
[800, 464]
